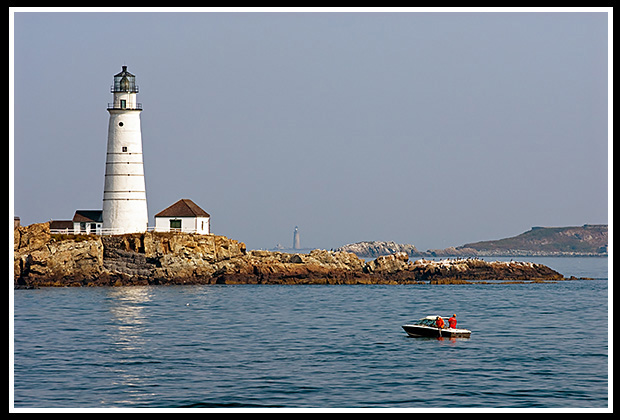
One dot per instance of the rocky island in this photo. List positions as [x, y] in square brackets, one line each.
[45, 259]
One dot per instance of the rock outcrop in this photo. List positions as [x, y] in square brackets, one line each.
[40, 255]
[45, 259]
[374, 249]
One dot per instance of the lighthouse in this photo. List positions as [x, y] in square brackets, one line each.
[296, 244]
[124, 192]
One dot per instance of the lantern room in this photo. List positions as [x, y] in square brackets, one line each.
[125, 92]
[124, 82]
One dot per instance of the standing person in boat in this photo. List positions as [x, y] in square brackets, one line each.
[452, 321]
[439, 322]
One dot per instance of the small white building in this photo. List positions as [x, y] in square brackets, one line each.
[183, 216]
[84, 222]
[87, 222]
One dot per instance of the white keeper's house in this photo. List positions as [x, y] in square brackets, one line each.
[183, 216]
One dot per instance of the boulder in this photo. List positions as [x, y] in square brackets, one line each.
[388, 263]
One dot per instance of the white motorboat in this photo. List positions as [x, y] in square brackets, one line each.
[426, 327]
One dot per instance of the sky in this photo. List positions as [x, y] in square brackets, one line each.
[434, 129]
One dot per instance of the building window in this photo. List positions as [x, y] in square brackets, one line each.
[175, 224]
[124, 148]
[123, 103]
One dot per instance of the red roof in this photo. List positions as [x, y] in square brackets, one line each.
[183, 208]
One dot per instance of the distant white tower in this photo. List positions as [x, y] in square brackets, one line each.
[124, 192]
[296, 244]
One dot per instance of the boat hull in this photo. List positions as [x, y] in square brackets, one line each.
[425, 331]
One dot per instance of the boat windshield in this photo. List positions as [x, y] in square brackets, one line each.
[426, 321]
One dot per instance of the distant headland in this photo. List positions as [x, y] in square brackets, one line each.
[571, 241]
[43, 258]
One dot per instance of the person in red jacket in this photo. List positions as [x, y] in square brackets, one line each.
[452, 321]
[439, 322]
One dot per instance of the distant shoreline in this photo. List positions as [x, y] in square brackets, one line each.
[570, 241]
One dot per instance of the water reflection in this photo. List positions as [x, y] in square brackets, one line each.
[127, 306]
[451, 340]
[129, 309]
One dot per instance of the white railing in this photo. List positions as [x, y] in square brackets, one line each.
[111, 231]
[183, 230]
[63, 231]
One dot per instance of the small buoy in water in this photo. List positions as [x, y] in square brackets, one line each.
[187, 304]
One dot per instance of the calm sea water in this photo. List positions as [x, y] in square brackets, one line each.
[532, 345]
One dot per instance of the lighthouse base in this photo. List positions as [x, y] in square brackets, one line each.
[124, 216]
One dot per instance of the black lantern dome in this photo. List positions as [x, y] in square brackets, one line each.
[125, 82]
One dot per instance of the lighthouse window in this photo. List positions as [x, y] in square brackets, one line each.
[124, 149]
[120, 124]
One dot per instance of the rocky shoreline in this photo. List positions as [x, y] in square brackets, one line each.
[42, 259]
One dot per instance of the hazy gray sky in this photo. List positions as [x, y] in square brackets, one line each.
[435, 129]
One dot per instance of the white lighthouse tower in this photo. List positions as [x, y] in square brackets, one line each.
[124, 192]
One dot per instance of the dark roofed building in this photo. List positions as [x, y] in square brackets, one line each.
[61, 226]
[88, 221]
[184, 216]
[88, 216]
